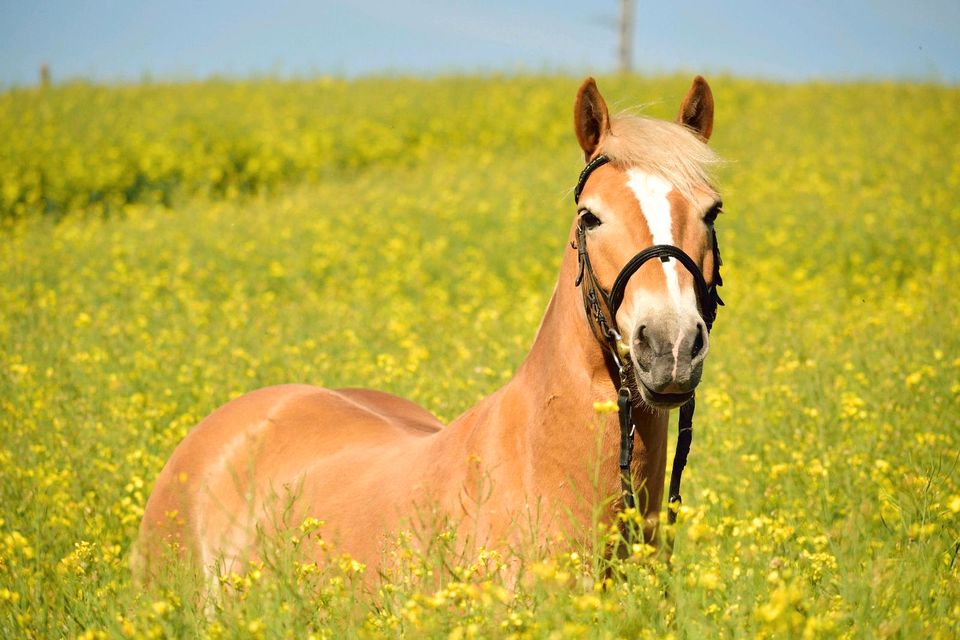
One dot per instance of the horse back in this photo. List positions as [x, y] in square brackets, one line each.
[263, 443]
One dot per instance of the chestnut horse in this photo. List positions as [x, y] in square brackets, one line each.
[364, 461]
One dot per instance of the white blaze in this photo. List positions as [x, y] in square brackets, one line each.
[651, 192]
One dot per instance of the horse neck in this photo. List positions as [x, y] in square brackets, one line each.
[541, 429]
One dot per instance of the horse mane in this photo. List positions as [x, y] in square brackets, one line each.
[669, 150]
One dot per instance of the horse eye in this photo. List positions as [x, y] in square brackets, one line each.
[588, 220]
[710, 216]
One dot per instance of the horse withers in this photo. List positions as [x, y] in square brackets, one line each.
[365, 461]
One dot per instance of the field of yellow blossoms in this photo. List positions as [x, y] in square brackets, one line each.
[166, 247]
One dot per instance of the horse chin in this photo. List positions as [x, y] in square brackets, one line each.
[663, 401]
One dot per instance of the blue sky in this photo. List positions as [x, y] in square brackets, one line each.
[125, 40]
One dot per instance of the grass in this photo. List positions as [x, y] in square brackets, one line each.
[414, 250]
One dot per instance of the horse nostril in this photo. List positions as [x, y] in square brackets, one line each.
[642, 349]
[640, 338]
[698, 341]
[697, 345]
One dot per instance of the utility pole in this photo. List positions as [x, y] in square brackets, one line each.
[626, 35]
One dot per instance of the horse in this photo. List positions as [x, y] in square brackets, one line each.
[363, 461]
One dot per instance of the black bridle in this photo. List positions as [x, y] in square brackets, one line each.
[601, 309]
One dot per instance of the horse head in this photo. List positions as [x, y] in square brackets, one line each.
[646, 193]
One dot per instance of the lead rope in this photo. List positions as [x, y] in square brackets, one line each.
[684, 440]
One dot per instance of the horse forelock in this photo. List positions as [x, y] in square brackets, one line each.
[665, 149]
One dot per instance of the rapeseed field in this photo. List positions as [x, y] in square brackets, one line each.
[166, 247]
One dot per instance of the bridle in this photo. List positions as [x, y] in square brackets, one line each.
[601, 309]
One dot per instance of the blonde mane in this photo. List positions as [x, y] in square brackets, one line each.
[662, 148]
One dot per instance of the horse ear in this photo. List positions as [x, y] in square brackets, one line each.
[591, 120]
[696, 112]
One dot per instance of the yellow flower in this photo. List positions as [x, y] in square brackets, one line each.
[953, 503]
[9, 596]
[709, 580]
[161, 607]
[607, 406]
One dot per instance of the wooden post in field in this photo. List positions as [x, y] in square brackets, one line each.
[44, 75]
[626, 35]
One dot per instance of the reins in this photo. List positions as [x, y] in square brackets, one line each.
[601, 309]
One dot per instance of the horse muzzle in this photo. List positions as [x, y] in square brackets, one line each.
[668, 360]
